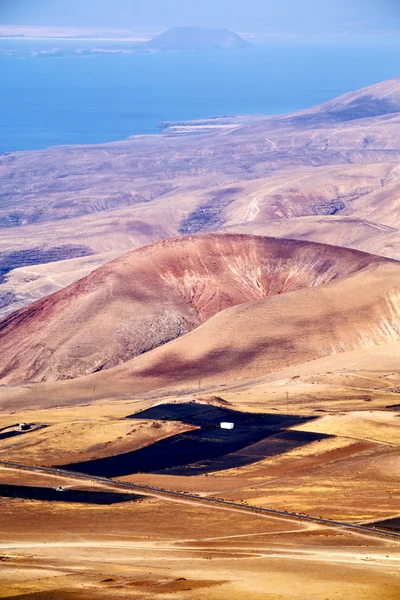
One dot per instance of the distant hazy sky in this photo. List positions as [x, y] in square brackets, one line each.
[308, 16]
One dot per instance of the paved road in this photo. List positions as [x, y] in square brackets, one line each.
[366, 529]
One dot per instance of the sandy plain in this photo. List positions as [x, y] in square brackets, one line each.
[162, 547]
[158, 547]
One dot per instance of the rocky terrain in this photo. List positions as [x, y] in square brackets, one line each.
[212, 308]
[328, 174]
[155, 294]
[141, 289]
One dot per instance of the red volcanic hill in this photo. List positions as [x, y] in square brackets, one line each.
[156, 294]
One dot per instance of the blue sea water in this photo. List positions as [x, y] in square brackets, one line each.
[90, 99]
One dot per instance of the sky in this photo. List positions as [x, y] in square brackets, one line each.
[258, 16]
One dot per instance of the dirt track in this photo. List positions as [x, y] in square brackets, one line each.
[365, 530]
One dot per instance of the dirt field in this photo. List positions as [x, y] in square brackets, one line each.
[158, 547]
[161, 549]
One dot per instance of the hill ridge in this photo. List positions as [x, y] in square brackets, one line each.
[157, 293]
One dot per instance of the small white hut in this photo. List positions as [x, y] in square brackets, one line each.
[225, 425]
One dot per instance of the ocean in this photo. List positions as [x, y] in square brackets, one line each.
[46, 101]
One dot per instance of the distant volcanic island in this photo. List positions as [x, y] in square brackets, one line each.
[197, 38]
[178, 39]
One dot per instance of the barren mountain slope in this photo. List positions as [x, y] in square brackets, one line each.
[155, 294]
[77, 180]
[322, 204]
[372, 101]
[357, 311]
[340, 159]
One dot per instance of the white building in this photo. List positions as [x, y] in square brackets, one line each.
[227, 425]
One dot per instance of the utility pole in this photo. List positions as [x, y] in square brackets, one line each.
[287, 402]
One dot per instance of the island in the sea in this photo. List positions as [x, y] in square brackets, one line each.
[197, 38]
[174, 40]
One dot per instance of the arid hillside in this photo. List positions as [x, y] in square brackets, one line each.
[372, 101]
[158, 293]
[327, 174]
[327, 313]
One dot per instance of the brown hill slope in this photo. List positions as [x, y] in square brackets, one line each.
[314, 204]
[155, 294]
[359, 312]
[372, 101]
[75, 181]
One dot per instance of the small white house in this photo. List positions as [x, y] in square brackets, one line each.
[227, 425]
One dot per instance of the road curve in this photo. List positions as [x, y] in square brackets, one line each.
[366, 529]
